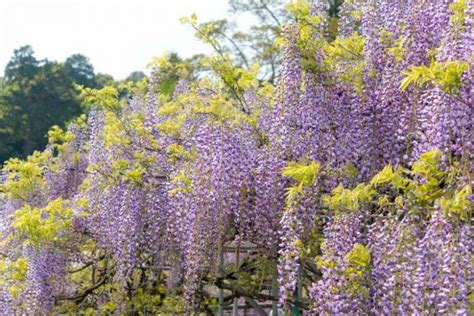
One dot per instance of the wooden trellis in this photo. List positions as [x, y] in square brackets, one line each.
[245, 305]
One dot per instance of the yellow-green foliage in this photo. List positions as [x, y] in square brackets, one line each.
[17, 269]
[458, 9]
[359, 257]
[447, 75]
[303, 174]
[13, 275]
[422, 192]
[119, 166]
[135, 174]
[238, 79]
[417, 189]
[60, 139]
[107, 97]
[320, 262]
[427, 167]
[394, 45]
[183, 183]
[135, 123]
[216, 107]
[202, 32]
[428, 163]
[300, 9]
[344, 56]
[344, 199]
[172, 126]
[306, 23]
[57, 135]
[383, 176]
[309, 39]
[177, 152]
[164, 64]
[358, 260]
[395, 178]
[108, 307]
[346, 47]
[114, 133]
[172, 305]
[37, 226]
[25, 178]
[458, 205]
[124, 170]
[170, 108]
[157, 303]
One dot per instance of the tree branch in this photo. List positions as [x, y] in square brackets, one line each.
[240, 292]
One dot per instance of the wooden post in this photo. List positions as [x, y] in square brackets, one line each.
[296, 311]
[275, 290]
[221, 273]
[257, 307]
[235, 309]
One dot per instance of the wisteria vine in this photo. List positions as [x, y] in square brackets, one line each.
[350, 181]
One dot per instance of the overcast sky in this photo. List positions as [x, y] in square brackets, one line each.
[119, 36]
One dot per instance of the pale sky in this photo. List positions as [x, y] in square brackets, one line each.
[118, 36]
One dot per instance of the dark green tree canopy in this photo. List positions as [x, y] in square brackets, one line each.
[36, 94]
[135, 76]
[23, 65]
[79, 68]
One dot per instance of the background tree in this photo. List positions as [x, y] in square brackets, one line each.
[259, 40]
[37, 94]
[104, 80]
[79, 68]
[258, 44]
[253, 46]
[22, 66]
[135, 76]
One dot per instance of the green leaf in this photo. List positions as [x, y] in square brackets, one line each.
[359, 256]
[305, 174]
[383, 176]
[447, 75]
[432, 157]
[458, 205]
[406, 82]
